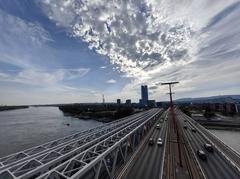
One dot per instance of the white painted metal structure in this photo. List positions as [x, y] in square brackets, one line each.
[94, 153]
[57, 144]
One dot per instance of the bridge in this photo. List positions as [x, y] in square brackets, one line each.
[121, 149]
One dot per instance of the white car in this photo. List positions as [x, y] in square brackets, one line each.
[159, 141]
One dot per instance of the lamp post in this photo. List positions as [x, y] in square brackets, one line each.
[173, 117]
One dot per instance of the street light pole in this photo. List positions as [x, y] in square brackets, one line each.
[170, 91]
[173, 118]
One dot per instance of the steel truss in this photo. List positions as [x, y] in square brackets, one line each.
[40, 149]
[53, 158]
[103, 159]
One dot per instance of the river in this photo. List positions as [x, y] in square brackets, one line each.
[231, 138]
[24, 128]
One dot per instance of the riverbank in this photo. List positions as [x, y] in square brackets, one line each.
[218, 122]
[7, 108]
[222, 125]
[98, 112]
[224, 128]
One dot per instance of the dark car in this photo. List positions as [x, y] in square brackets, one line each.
[194, 130]
[151, 141]
[185, 127]
[185, 120]
[208, 147]
[201, 154]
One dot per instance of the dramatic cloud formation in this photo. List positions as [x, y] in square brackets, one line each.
[137, 36]
[154, 41]
[80, 49]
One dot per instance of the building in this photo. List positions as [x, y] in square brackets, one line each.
[151, 103]
[144, 92]
[238, 108]
[231, 108]
[118, 101]
[128, 102]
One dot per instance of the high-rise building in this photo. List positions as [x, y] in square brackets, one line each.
[128, 102]
[118, 101]
[144, 91]
[151, 103]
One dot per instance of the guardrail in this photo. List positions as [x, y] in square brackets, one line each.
[232, 157]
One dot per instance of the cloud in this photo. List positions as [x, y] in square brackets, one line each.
[111, 81]
[137, 36]
[24, 33]
[22, 47]
[153, 41]
[30, 69]
[134, 36]
[44, 78]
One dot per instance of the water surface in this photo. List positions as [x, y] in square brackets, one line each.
[24, 128]
[231, 138]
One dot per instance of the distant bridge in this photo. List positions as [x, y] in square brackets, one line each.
[120, 150]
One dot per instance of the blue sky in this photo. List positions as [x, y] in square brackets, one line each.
[62, 51]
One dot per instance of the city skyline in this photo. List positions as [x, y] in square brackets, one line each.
[54, 51]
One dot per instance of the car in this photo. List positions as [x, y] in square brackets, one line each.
[201, 154]
[185, 127]
[159, 141]
[151, 141]
[208, 147]
[158, 126]
[166, 118]
[194, 130]
[185, 120]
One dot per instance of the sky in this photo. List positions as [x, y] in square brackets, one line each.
[73, 51]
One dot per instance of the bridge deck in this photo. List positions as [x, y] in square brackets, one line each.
[103, 151]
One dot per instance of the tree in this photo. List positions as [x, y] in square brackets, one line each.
[209, 113]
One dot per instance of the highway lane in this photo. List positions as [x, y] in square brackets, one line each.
[228, 151]
[216, 166]
[148, 163]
